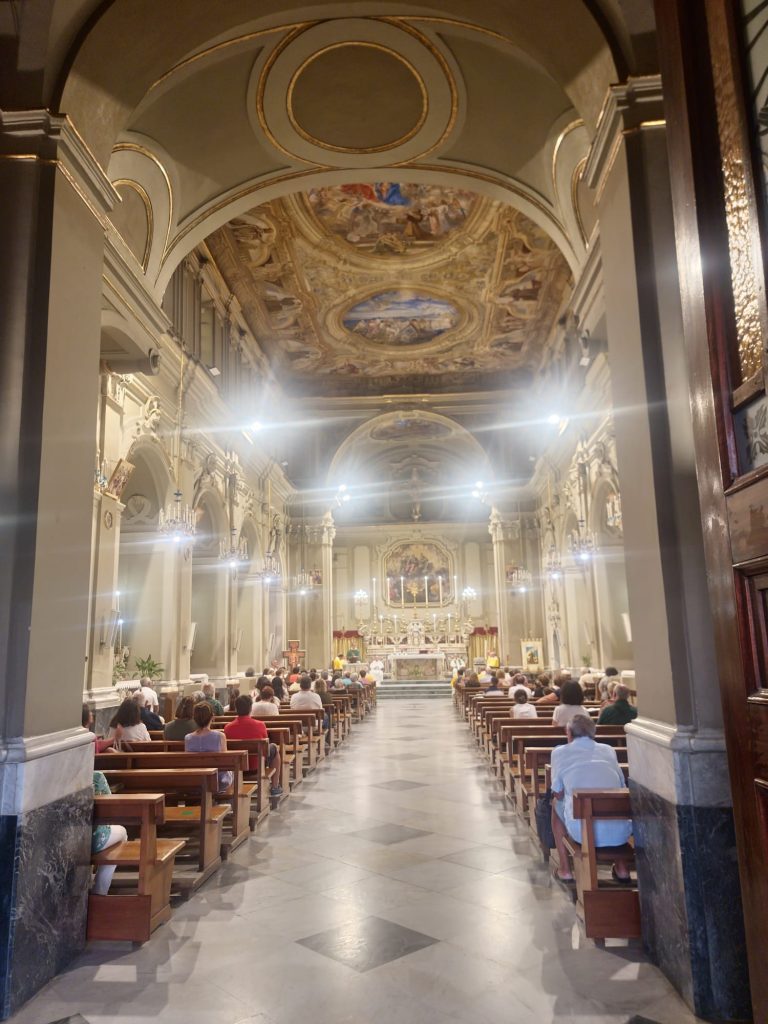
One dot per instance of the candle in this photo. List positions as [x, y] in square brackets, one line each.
[402, 592]
[455, 588]
[426, 592]
[395, 629]
[373, 602]
[440, 590]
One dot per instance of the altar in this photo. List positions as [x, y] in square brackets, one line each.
[413, 666]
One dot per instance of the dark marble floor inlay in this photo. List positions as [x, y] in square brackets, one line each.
[396, 784]
[76, 1019]
[641, 1020]
[389, 834]
[363, 945]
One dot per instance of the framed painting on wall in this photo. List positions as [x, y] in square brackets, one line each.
[417, 573]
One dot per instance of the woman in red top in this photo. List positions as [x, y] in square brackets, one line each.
[246, 728]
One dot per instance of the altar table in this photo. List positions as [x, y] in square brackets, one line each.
[418, 666]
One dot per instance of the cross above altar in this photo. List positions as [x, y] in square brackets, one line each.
[293, 655]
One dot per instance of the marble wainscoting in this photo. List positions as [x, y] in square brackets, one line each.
[687, 868]
[46, 809]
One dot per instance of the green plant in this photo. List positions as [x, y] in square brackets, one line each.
[586, 660]
[148, 667]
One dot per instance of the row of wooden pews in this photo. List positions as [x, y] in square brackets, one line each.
[519, 752]
[181, 825]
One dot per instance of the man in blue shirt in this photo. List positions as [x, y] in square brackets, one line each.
[584, 764]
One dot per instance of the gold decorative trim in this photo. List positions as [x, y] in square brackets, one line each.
[745, 258]
[58, 165]
[134, 147]
[367, 149]
[578, 171]
[144, 196]
[578, 123]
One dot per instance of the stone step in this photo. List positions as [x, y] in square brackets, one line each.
[423, 688]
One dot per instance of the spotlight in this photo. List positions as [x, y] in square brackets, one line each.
[176, 538]
[302, 592]
[233, 565]
[475, 494]
[346, 497]
[479, 485]
[256, 426]
[267, 579]
[584, 556]
[522, 590]
[342, 487]
[554, 419]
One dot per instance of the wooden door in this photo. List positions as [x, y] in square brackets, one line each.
[714, 56]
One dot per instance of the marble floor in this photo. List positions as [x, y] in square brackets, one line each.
[394, 886]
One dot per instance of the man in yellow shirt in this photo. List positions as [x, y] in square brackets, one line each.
[492, 661]
[338, 663]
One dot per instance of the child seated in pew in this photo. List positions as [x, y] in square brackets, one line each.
[584, 764]
[205, 740]
[104, 836]
[522, 709]
[245, 727]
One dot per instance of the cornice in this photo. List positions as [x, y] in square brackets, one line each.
[635, 105]
[54, 139]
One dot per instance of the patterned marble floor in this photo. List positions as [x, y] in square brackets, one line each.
[395, 886]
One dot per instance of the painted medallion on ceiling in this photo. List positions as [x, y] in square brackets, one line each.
[401, 317]
[390, 218]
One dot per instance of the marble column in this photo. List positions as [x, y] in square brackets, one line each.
[689, 890]
[53, 198]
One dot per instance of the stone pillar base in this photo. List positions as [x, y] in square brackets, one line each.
[46, 810]
[687, 870]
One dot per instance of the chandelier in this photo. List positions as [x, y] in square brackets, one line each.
[520, 578]
[270, 569]
[581, 544]
[236, 552]
[361, 596]
[469, 593]
[177, 519]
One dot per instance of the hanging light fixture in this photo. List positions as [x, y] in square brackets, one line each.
[581, 544]
[236, 552]
[520, 578]
[177, 520]
[303, 578]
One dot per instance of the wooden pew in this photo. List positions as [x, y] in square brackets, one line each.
[238, 796]
[134, 907]
[608, 909]
[207, 818]
[519, 742]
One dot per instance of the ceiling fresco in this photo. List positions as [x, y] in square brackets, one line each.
[366, 289]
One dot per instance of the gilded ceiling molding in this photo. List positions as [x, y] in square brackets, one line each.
[578, 123]
[414, 130]
[142, 193]
[578, 173]
[133, 147]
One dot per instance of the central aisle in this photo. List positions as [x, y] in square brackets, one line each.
[400, 845]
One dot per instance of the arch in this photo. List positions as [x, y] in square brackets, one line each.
[212, 522]
[147, 453]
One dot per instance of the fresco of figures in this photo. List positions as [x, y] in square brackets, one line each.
[405, 569]
[401, 318]
[390, 218]
[474, 279]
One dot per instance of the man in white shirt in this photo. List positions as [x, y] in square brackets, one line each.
[150, 698]
[306, 699]
[584, 764]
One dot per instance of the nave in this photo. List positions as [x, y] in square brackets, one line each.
[394, 885]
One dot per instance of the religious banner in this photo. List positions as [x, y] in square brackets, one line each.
[532, 655]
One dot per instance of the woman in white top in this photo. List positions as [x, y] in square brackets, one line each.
[267, 706]
[128, 715]
[571, 701]
[519, 684]
[521, 707]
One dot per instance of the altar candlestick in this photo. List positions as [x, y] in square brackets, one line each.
[455, 588]
[373, 603]
[402, 592]
[426, 592]
[434, 625]
[395, 637]
[440, 589]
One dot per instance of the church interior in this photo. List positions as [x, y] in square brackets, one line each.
[405, 343]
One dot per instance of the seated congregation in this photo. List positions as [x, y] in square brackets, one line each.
[174, 795]
[558, 749]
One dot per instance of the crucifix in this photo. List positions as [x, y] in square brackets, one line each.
[293, 655]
